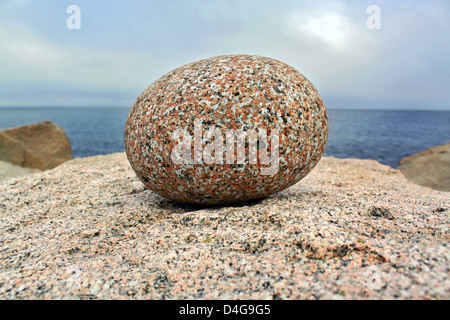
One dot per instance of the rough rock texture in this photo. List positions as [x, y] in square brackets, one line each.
[88, 229]
[42, 145]
[430, 168]
[8, 170]
[237, 92]
[11, 150]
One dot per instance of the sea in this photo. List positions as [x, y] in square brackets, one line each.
[383, 135]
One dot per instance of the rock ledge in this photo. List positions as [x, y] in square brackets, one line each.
[88, 229]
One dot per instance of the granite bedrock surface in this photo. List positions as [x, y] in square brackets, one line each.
[351, 229]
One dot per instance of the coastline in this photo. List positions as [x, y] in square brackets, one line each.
[88, 229]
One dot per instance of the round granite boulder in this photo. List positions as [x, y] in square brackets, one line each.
[226, 129]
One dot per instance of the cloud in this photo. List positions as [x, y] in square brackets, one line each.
[332, 29]
[124, 46]
[30, 61]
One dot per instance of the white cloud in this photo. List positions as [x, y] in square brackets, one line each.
[332, 29]
[20, 48]
[28, 59]
[35, 58]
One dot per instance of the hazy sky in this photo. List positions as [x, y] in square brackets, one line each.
[123, 46]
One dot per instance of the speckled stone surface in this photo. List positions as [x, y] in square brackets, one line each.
[238, 92]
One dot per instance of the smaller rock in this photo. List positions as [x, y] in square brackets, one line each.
[42, 145]
[430, 168]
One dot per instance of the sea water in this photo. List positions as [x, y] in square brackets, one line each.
[383, 135]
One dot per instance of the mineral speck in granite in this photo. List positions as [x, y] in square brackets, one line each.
[351, 229]
[226, 94]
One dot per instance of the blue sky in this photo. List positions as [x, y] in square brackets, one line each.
[123, 46]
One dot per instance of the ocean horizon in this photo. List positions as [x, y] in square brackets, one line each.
[383, 135]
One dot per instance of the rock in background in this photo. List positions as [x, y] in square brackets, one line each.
[42, 145]
[430, 168]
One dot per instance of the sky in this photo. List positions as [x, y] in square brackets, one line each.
[124, 46]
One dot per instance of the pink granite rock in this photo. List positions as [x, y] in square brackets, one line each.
[226, 129]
